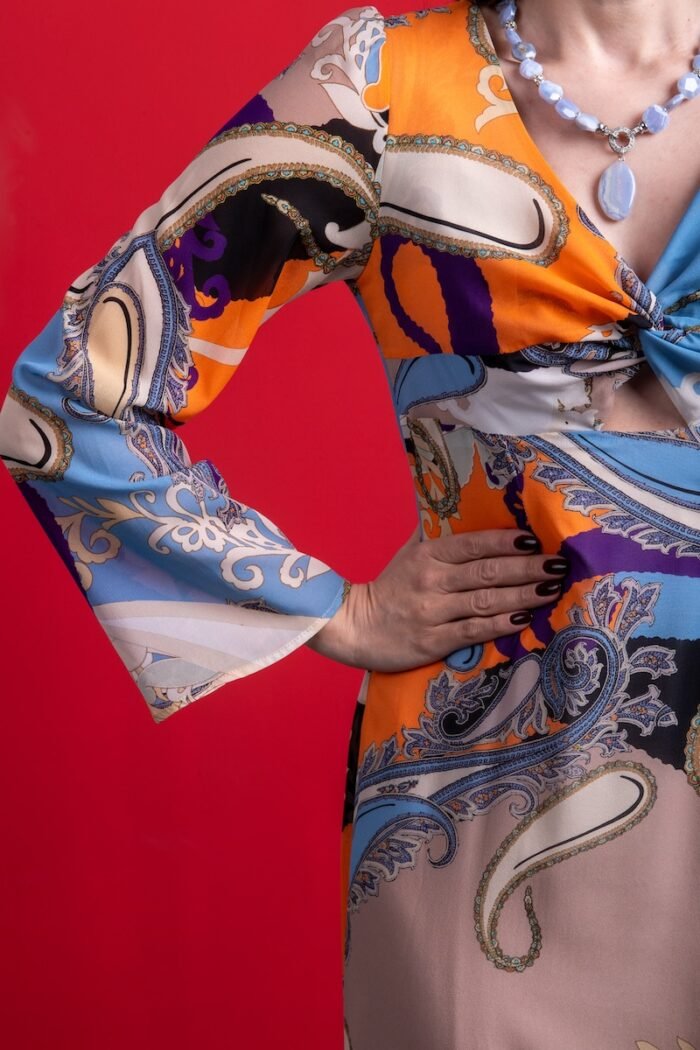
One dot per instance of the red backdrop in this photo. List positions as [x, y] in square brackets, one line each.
[176, 885]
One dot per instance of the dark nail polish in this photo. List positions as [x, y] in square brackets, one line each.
[526, 543]
[521, 618]
[547, 588]
[556, 565]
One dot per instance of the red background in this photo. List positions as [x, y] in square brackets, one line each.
[176, 885]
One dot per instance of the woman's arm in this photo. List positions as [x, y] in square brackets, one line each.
[193, 587]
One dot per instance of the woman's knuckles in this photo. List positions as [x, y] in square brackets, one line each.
[489, 572]
[482, 601]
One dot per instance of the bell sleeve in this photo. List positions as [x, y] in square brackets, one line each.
[193, 587]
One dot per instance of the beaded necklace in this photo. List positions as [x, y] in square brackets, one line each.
[617, 184]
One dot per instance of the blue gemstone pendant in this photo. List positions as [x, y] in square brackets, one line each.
[616, 189]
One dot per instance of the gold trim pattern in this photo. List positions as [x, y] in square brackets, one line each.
[477, 36]
[692, 753]
[324, 261]
[334, 143]
[681, 303]
[63, 439]
[447, 505]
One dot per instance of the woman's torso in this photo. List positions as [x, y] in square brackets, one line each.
[522, 819]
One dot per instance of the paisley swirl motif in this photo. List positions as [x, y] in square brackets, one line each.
[391, 831]
[573, 668]
[360, 59]
[603, 805]
[107, 364]
[453, 220]
[514, 733]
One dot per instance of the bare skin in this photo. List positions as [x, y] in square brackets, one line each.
[613, 58]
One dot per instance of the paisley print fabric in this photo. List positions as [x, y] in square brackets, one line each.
[521, 828]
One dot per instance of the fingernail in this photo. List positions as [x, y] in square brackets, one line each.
[547, 588]
[521, 618]
[526, 543]
[556, 565]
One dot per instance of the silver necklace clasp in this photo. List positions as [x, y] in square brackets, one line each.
[621, 139]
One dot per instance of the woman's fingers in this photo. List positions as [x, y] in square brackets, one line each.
[489, 543]
[502, 572]
[492, 601]
[478, 630]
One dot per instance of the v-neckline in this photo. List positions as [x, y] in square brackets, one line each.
[562, 189]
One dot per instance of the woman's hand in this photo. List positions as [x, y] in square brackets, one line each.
[441, 595]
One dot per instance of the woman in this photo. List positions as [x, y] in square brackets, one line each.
[521, 820]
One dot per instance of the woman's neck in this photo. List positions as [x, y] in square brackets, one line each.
[623, 34]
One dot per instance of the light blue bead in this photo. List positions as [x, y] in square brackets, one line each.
[513, 36]
[696, 62]
[550, 91]
[567, 109]
[655, 118]
[587, 121]
[506, 13]
[523, 50]
[674, 102]
[689, 85]
[530, 69]
[616, 190]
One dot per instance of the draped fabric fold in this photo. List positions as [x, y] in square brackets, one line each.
[673, 351]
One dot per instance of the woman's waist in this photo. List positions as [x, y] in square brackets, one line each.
[641, 487]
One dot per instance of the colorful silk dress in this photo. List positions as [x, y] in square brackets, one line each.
[521, 834]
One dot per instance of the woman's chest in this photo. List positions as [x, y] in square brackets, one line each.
[665, 166]
[500, 296]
